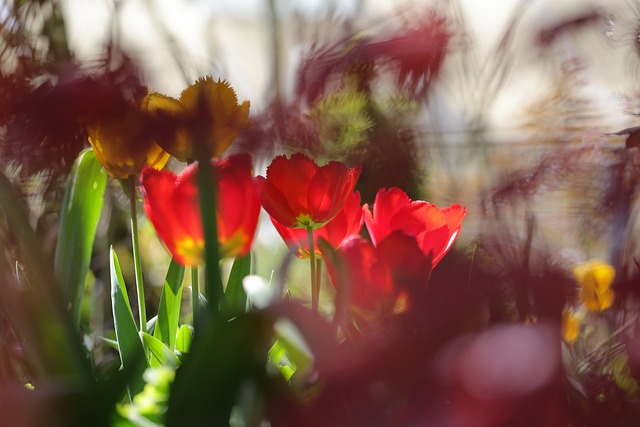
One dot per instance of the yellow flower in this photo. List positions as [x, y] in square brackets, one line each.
[571, 325]
[124, 143]
[595, 278]
[212, 117]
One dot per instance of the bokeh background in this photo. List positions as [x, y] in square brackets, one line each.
[523, 111]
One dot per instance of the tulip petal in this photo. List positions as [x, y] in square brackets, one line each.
[434, 229]
[387, 204]
[298, 193]
[292, 177]
[212, 106]
[347, 223]
[275, 203]
[328, 191]
[454, 215]
[405, 260]
[173, 206]
[164, 201]
[238, 205]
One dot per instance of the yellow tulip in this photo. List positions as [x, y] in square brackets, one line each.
[125, 143]
[570, 325]
[595, 278]
[212, 117]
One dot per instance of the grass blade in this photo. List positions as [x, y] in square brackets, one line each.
[169, 307]
[161, 355]
[129, 343]
[236, 295]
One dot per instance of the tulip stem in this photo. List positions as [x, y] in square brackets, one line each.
[207, 190]
[195, 293]
[318, 275]
[137, 265]
[315, 285]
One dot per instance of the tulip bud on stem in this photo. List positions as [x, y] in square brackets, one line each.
[137, 265]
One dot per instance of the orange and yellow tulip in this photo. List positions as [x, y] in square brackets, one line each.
[126, 142]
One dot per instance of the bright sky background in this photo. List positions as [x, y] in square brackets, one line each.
[238, 34]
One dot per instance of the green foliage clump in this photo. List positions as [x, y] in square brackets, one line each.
[342, 123]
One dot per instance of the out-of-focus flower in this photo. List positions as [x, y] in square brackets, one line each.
[414, 54]
[434, 229]
[347, 223]
[571, 321]
[212, 116]
[124, 143]
[380, 278]
[595, 278]
[298, 193]
[172, 204]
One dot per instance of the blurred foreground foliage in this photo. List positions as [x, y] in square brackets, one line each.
[505, 334]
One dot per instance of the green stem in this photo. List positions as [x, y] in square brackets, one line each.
[318, 276]
[207, 190]
[195, 293]
[315, 288]
[137, 265]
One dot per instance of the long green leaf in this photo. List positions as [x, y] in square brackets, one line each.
[161, 355]
[236, 296]
[79, 217]
[183, 341]
[129, 343]
[169, 307]
[37, 313]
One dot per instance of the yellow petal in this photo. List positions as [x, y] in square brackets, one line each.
[155, 101]
[213, 107]
[595, 278]
[123, 143]
[597, 301]
[570, 325]
[594, 275]
[175, 141]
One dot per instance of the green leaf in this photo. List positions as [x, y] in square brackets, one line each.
[169, 307]
[236, 296]
[37, 314]
[151, 324]
[224, 357]
[278, 356]
[161, 355]
[112, 343]
[129, 343]
[294, 344]
[183, 340]
[79, 217]
[341, 302]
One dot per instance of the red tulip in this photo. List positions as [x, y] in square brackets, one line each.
[172, 205]
[298, 193]
[347, 223]
[379, 277]
[434, 229]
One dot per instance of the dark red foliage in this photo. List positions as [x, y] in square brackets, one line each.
[45, 120]
[415, 53]
[550, 33]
